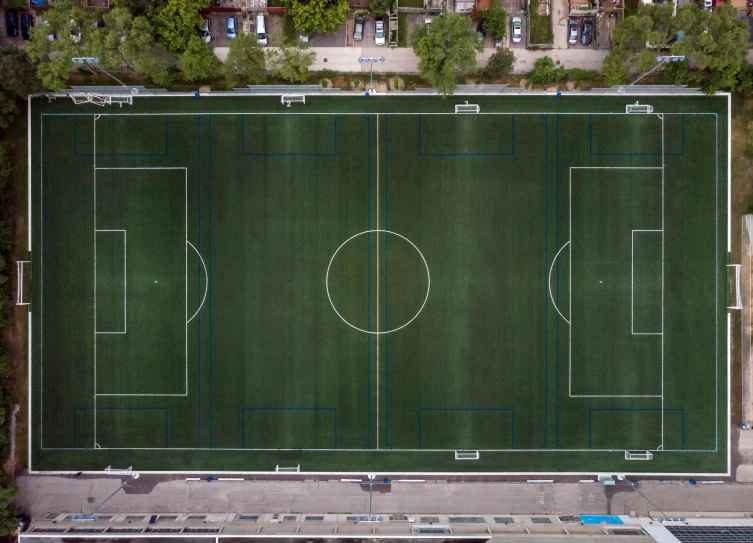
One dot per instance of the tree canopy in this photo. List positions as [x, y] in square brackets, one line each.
[176, 22]
[500, 64]
[495, 20]
[291, 62]
[245, 61]
[445, 49]
[319, 15]
[198, 61]
[714, 43]
[380, 7]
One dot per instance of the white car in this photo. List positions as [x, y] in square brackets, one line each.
[517, 29]
[379, 38]
[206, 30]
[572, 34]
[708, 4]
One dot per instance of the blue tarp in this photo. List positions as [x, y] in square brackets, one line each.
[600, 519]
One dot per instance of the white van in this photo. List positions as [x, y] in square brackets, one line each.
[261, 29]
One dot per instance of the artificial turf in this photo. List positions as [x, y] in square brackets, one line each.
[227, 284]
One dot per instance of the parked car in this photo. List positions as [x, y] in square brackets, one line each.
[232, 30]
[517, 29]
[358, 30]
[43, 23]
[261, 29]
[26, 23]
[11, 23]
[427, 24]
[75, 32]
[206, 30]
[38, 2]
[587, 31]
[480, 34]
[572, 34]
[708, 4]
[379, 38]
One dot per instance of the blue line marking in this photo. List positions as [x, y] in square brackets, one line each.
[511, 153]
[76, 153]
[243, 418]
[557, 283]
[591, 139]
[198, 264]
[636, 409]
[386, 284]
[211, 443]
[368, 286]
[546, 281]
[92, 408]
[466, 409]
[244, 153]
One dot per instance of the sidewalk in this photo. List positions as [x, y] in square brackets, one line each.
[402, 59]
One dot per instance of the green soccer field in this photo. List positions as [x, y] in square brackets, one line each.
[351, 285]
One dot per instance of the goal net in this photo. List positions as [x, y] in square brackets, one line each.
[638, 455]
[467, 108]
[639, 108]
[101, 99]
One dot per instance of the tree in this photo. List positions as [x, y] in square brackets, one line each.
[500, 64]
[319, 15]
[67, 21]
[544, 72]
[291, 63]
[245, 61]
[134, 7]
[198, 61]
[176, 22]
[495, 20]
[615, 68]
[380, 7]
[448, 48]
[19, 74]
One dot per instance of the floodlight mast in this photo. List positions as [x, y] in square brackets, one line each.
[92, 62]
[371, 61]
[662, 60]
[93, 514]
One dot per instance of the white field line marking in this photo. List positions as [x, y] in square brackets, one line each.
[570, 332]
[95, 277]
[729, 172]
[550, 282]
[185, 196]
[41, 293]
[632, 284]
[372, 451]
[378, 233]
[716, 264]
[662, 281]
[125, 285]
[206, 284]
[390, 113]
[28, 170]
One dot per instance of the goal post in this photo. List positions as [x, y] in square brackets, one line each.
[467, 455]
[736, 300]
[639, 108]
[287, 100]
[467, 108]
[101, 99]
[638, 455]
[22, 271]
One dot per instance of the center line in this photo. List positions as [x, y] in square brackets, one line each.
[377, 285]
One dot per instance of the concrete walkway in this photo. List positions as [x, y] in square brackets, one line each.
[403, 60]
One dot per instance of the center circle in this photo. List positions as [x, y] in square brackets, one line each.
[378, 233]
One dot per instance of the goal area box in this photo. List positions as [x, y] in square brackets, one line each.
[300, 283]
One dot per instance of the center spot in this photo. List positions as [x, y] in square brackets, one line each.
[378, 281]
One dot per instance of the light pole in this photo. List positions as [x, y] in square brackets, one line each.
[635, 487]
[371, 61]
[93, 514]
[662, 60]
[371, 482]
[91, 61]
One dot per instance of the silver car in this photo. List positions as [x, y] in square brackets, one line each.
[379, 38]
[517, 29]
[358, 31]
